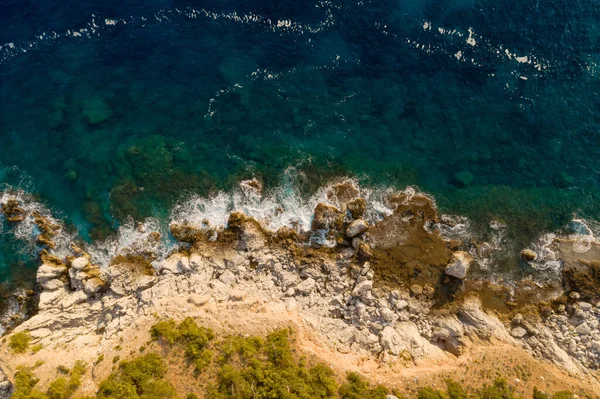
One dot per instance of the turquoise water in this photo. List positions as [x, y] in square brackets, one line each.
[116, 111]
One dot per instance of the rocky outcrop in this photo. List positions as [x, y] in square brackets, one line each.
[459, 265]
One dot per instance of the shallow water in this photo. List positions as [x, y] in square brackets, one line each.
[118, 110]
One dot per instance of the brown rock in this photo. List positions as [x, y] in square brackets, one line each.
[528, 255]
[326, 217]
[13, 212]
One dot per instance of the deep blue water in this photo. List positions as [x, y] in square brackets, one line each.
[114, 110]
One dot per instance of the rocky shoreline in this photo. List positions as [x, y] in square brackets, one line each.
[394, 290]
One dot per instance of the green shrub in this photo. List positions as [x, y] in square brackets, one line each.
[537, 394]
[25, 382]
[455, 390]
[194, 339]
[142, 377]
[499, 390]
[358, 388]
[19, 342]
[430, 393]
[563, 395]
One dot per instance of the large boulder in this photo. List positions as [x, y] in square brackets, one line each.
[459, 265]
[357, 227]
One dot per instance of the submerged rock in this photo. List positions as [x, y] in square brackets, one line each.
[464, 178]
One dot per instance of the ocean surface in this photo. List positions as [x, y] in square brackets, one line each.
[116, 111]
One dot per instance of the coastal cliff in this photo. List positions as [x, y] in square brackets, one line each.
[397, 299]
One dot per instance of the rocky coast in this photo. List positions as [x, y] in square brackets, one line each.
[399, 299]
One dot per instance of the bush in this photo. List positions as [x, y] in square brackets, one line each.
[25, 382]
[455, 390]
[499, 390]
[19, 342]
[140, 377]
[194, 339]
[430, 393]
[358, 388]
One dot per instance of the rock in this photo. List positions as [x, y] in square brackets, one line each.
[583, 329]
[459, 265]
[324, 217]
[196, 261]
[528, 255]
[227, 277]
[518, 332]
[96, 110]
[362, 289]
[463, 178]
[356, 242]
[357, 207]
[52, 285]
[93, 286]
[390, 397]
[454, 244]
[585, 306]
[574, 295]
[49, 272]
[356, 227]
[364, 250]
[401, 304]
[80, 263]
[391, 341]
[306, 286]
[6, 387]
[518, 319]
[199, 300]
[237, 295]
[416, 290]
[175, 264]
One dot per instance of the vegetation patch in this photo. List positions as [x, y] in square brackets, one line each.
[61, 388]
[19, 342]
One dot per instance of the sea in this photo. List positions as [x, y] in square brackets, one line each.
[116, 113]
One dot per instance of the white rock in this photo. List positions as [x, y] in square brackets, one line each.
[306, 286]
[518, 332]
[574, 295]
[391, 341]
[237, 295]
[49, 272]
[199, 300]
[585, 306]
[363, 288]
[52, 285]
[227, 277]
[196, 261]
[92, 286]
[171, 264]
[80, 263]
[357, 227]
[459, 265]
[583, 329]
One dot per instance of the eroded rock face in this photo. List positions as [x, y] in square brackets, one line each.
[403, 248]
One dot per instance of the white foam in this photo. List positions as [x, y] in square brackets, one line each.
[283, 206]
